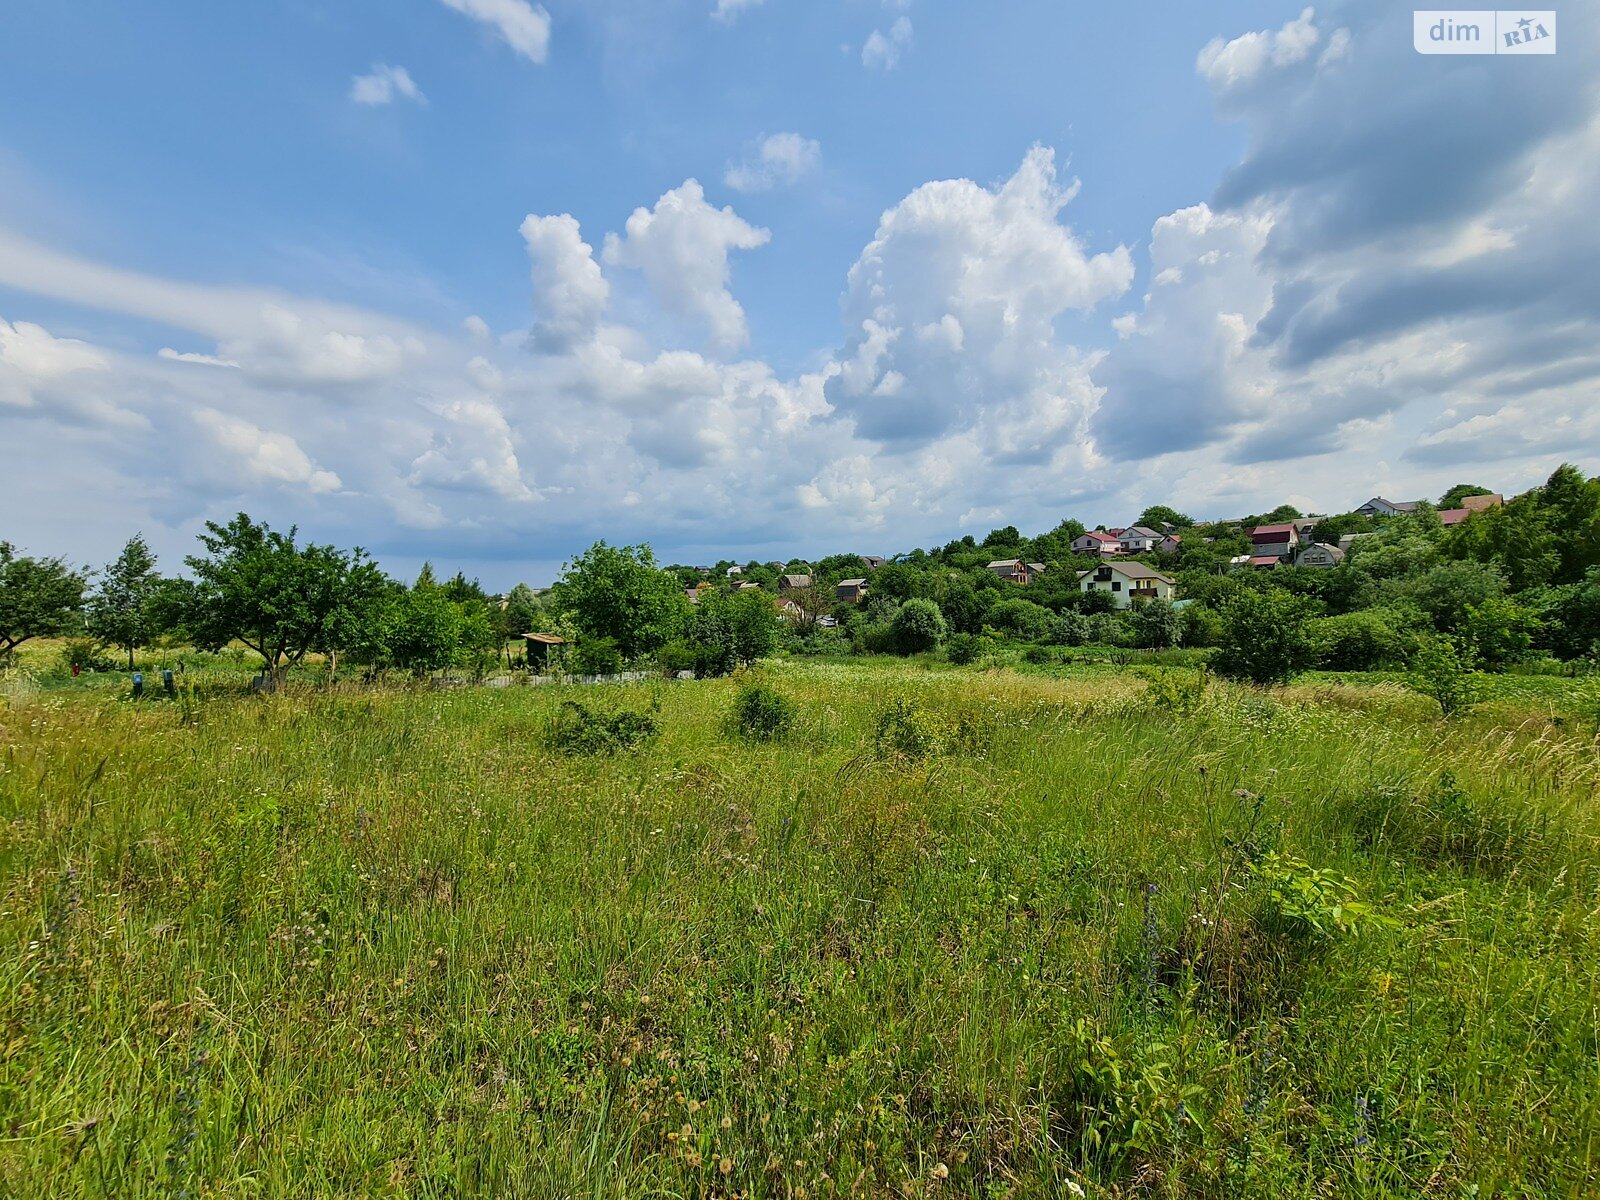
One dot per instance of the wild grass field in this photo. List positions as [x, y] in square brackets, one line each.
[955, 932]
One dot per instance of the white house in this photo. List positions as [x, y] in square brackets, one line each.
[1096, 541]
[1127, 582]
[1139, 540]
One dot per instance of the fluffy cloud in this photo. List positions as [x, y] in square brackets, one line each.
[524, 27]
[472, 451]
[955, 302]
[262, 455]
[882, 50]
[681, 247]
[384, 84]
[1406, 270]
[569, 291]
[30, 356]
[775, 160]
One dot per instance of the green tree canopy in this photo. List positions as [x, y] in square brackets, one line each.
[1158, 515]
[617, 592]
[1454, 497]
[39, 597]
[1265, 637]
[283, 600]
[123, 608]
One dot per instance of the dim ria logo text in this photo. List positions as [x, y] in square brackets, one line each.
[1484, 31]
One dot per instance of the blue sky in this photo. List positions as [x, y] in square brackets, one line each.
[432, 276]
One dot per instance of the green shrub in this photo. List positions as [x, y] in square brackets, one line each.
[1175, 691]
[906, 730]
[918, 627]
[1265, 638]
[87, 655]
[1358, 641]
[675, 656]
[578, 729]
[761, 714]
[1442, 672]
[596, 656]
[1310, 903]
[964, 649]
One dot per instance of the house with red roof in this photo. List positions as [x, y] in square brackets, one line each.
[1096, 541]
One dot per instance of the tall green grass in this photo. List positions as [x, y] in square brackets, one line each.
[953, 932]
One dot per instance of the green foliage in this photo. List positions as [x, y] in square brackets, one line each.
[617, 592]
[524, 612]
[1266, 638]
[761, 714]
[917, 627]
[1500, 631]
[1312, 902]
[1360, 641]
[39, 597]
[596, 656]
[1021, 618]
[85, 654]
[1441, 671]
[280, 599]
[121, 609]
[1158, 515]
[1176, 691]
[964, 649]
[1155, 625]
[906, 730]
[579, 729]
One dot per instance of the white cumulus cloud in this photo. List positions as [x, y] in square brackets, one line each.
[524, 27]
[384, 84]
[681, 246]
[569, 290]
[775, 160]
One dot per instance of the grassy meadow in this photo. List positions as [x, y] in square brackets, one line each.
[973, 933]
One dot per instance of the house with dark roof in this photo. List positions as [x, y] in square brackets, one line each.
[1379, 507]
[1127, 582]
[852, 591]
[873, 561]
[1274, 541]
[789, 583]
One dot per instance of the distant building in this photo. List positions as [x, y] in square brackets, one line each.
[1138, 540]
[1096, 541]
[1276, 541]
[1482, 503]
[1169, 544]
[1379, 507]
[1319, 554]
[852, 591]
[1127, 582]
[1014, 570]
[873, 561]
[789, 583]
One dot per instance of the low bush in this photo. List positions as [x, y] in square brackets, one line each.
[761, 714]
[596, 656]
[578, 729]
[964, 649]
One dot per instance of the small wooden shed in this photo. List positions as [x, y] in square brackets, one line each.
[541, 648]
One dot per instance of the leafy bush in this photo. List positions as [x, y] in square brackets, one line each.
[1308, 902]
[1155, 625]
[963, 649]
[1442, 672]
[1021, 618]
[906, 730]
[1358, 641]
[1266, 637]
[761, 714]
[1175, 691]
[918, 626]
[87, 655]
[677, 655]
[578, 729]
[596, 656]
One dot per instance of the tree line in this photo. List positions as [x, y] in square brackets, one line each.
[1509, 584]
